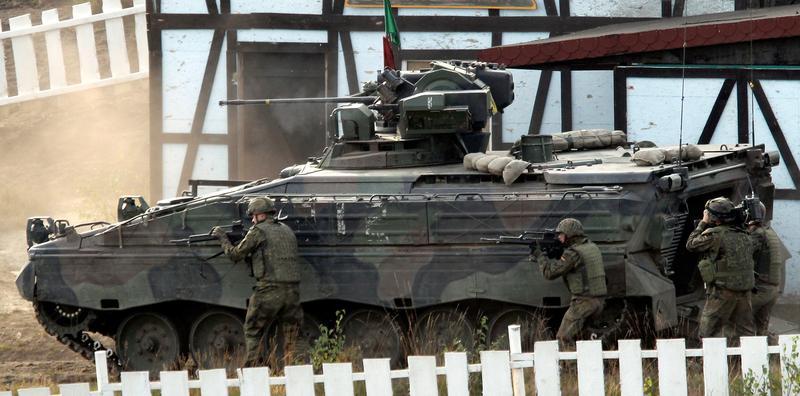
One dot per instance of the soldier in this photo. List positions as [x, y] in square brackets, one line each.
[769, 268]
[581, 266]
[271, 248]
[726, 266]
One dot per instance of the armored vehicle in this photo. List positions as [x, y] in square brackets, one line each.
[391, 220]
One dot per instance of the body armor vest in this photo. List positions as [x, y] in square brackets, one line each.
[276, 258]
[590, 277]
[733, 259]
[768, 259]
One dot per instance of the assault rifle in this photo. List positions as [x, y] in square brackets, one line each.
[545, 240]
[235, 233]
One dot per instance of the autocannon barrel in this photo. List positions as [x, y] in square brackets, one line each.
[338, 99]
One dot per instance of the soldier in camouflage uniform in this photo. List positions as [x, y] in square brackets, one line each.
[726, 266]
[581, 266]
[271, 248]
[769, 268]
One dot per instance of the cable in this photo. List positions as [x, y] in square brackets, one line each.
[683, 90]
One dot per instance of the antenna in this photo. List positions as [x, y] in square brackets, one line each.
[751, 83]
[683, 88]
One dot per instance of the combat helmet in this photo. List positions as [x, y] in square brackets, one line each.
[570, 227]
[260, 205]
[721, 209]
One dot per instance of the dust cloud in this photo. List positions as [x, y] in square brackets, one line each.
[68, 157]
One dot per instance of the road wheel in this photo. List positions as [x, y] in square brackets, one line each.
[374, 332]
[147, 341]
[533, 327]
[217, 340]
[442, 329]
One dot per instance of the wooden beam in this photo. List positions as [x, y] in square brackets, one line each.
[550, 8]
[563, 9]
[349, 63]
[497, 120]
[211, 6]
[375, 23]
[786, 193]
[432, 54]
[666, 8]
[204, 138]
[537, 113]
[201, 107]
[678, 9]
[156, 107]
[742, 108]
[566, 100]
[777, 133]
[716, 111]
[233, 111]
[621, 99]
[338, 7]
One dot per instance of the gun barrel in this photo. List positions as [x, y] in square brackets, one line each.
[339, 99]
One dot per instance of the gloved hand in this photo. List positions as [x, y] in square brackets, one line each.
[535, 254]
[218, 232]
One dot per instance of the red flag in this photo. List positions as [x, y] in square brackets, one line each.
[388, 54]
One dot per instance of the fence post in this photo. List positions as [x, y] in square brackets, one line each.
[3, 82]
[142, 50]
[24, 57]
[672, 367]
[546, 368]
[715, 367]
[55, 52]
[590, 368]
[631, 380]
[377, 377]
[101, 371]
[790, 360]
[116, 42]
[299, 380]
[515, 347]
[87, 50]
[496, 373]
[135, 382]
[254, 381]
[213, 382]
[174, 383]
[755, 362]
[456, 372]
[422, 376]
[338, 379]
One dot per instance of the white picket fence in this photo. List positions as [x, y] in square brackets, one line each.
[502, 372]
[21, 33]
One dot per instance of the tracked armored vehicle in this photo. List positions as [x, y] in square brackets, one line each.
[390, 220]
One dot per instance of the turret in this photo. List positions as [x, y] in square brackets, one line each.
[406, 119]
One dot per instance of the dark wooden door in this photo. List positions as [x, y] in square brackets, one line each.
[276, 136]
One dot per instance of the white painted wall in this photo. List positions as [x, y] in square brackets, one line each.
[593, 99]
[616, 8]
[276, 6]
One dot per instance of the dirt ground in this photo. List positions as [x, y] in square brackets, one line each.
[69, 157]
